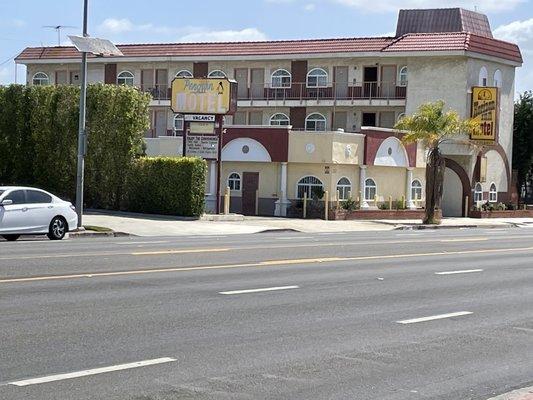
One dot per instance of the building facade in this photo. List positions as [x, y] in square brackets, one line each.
[321, 112]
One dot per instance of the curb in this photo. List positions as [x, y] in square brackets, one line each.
[436, 227]
[92, 234]
[281, 230]
[520, 394]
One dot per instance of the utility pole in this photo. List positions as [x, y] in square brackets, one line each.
[82, 135]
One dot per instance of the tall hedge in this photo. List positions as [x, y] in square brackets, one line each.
[161, 185]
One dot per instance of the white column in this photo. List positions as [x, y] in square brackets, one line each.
[362, 179]
[211, 197]
[408, 195]
[282, 203]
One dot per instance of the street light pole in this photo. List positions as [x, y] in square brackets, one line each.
[82, 136]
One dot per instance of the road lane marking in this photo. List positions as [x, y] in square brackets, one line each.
[295, 238]
[270, 289]
[465, 240]
[465, 271]
[148, 242]
[434, 317]
[88, 372]
[160, 252]
[261, 264]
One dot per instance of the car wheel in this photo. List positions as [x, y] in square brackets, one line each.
[10, 238]
[58, 229]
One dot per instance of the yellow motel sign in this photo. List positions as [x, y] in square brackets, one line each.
[204, 96]
[485, 112]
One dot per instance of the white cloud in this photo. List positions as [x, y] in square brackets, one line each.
[394, 5]
[521, 33]
[309, 7]
[114, 25]
[206, 35]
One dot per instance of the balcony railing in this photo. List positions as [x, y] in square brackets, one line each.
[332, 91]
[158, 91]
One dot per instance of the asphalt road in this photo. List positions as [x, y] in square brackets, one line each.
[442, 314]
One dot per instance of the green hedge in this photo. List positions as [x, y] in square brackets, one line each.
[161, 185]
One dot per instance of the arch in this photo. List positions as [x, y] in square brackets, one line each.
[392, 153]
[483, 76]
[279, 119]
[499, 149]
[498, 78]
[306, 184]
[493, 193]
[403, 76]
[125, 78]
[179, 122]
[184, 73]
[217, 73]
[465, 181]
[344, 187]
[416, 189]
[400, 116]
[315, 122]
[40, 79]
[371, 189]
[280, 78]
[245, 150]
[317, 77]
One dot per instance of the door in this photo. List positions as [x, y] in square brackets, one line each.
[255, 118]
[250, 185]
[160, 123]
[147, 80]
[13, 217]
[369, 119]
[452, 194]
[241, 76]
[370, 81]
[340, 120]
[257, 87]
[61, 78]
[341, 82]
[161, 81]
[40, 210]
[388, 81]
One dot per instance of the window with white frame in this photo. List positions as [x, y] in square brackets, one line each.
[403, 76]
[315, 122]
[307, 185]
[184, 74]
[125, 78]
[217, 74]
[279, 119]
[234, 181]
[483, 77]
[493, 193]
[281, 78]
[40, 79]
[416, 190]
[478, 193]
[179, 123]
[344, 187]
[370, 189]
[400, 116]
[498, 78]
[317, 77]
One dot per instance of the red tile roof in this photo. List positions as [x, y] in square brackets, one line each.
[461, 41]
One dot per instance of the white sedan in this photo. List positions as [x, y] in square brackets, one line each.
[29, 211]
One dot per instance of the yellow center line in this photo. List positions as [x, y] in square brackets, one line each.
[262, 264]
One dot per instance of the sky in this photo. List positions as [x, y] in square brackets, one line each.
[22, 22]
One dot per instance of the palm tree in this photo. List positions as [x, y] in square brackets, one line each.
[433, 126]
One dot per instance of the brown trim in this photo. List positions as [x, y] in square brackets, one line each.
[275, 139]
[463, 176]
[373, 140]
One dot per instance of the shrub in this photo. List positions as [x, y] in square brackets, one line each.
[350, 204]
[172, 186]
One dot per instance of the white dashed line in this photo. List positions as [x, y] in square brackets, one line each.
[465, 271]
[271, 289]
[434, 317]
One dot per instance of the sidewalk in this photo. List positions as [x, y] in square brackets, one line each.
[157, 225]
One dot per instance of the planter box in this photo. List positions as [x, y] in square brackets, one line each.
[380, 214]
[501, 214]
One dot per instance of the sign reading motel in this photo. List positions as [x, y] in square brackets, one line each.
[204, 96]
[484, 112]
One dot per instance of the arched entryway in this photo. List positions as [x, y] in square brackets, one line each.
[455, 189]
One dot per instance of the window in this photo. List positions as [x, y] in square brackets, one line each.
[184, 74]
[279, 119]
[315, 122]
[416, 190]
[234, 181]
[179, 122]
[493, 193]
[317, 77]
[40, 79]
[17, 197]
[483, 77]
[403, 76]
[344, 187]
[370, 189]
[125, 78]
[36, 197]
[307, 185]
[281, 78]
[498, 78]
[217, 74]
[478, 193]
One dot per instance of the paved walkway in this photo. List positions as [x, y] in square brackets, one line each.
[522, 394]
[152, 225]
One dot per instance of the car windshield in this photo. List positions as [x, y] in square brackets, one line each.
[1, 191]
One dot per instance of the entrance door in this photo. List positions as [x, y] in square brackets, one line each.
[250, 185]
[340, 120]
[161, 78]
[452, 196]
[160, 123]
[257, 88]
[370, 81]
[241, 76]
[341, 82]
[388, 81]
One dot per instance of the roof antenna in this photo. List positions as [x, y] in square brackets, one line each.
[58, 28]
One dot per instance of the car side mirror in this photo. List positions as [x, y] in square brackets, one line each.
[6, 202]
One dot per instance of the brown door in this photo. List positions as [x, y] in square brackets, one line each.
[200, 69]
[250, 185]
[161, 79]
[147, 80]
[388, 81]
[370, 81]
[241, 76]
[110, 74]
[341, 82]
[257, 88]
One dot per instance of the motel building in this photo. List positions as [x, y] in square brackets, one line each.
[320, 112]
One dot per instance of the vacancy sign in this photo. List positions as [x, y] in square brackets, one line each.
[203, 96]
